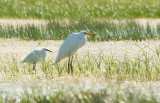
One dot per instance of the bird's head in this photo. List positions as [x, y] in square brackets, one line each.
[84, 32]
[44, 49]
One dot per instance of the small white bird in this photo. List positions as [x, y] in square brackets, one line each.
[70, 46]
[35, 56]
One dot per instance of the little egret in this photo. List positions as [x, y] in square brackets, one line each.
[35, 56]
[70, 46]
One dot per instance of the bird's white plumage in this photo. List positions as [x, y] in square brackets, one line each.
[35, 56]
[71, 45]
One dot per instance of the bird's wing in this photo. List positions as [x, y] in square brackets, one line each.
[68, 47]
[31, 57]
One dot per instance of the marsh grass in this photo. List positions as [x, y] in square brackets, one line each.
[79, 9]
[141, 68]
[106, 30]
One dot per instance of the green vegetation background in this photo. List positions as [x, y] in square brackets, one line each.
[42, 9]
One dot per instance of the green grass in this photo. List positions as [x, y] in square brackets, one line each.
[105, 30]
[79, 9]
[143, 67]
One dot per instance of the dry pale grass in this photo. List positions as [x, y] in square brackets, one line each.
[18, 49]
[13, 83]
[22, 22]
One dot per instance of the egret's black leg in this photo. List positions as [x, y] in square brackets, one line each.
[68, 65]
[34, 65]
[71, 65]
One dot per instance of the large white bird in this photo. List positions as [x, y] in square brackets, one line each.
[35, 56]
[70, 46]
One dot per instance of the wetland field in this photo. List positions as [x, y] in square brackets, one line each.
[110, 69]
[120, 64]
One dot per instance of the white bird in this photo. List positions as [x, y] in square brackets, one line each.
[70, 46]
[35, 56]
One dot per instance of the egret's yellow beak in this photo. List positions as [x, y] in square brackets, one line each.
[91, 34]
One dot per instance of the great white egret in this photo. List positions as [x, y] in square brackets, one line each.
[35, 56]
[70, 46]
